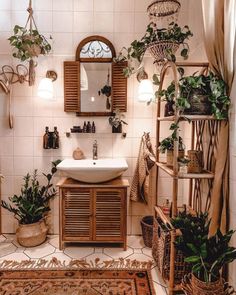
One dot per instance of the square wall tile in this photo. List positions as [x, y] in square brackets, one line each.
[62, 22]
[5, 21]
[23, 146]
[104, 5]
[6, 166]
[6, 146]
[124, 22]
[23, 165]
[19, 5]
[124, 5]
[104, 21]
[23, 126]
[83, 5]
[44, 21]
[83, 22]
[62, 5]
[43, 5]
[23, 106]
[141, 21]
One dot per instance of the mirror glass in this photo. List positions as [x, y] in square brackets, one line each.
[95, 83]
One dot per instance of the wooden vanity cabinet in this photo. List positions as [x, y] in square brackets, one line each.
[93, 213]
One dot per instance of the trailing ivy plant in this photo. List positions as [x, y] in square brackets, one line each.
[28, 44]
[32, 203]
[206, 254]
[194, 86]
[173, 33]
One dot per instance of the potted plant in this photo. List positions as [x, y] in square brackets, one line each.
[162, 44]
[206, 254]
[116, 121]
[30, 208]
[200, 95]
[28, 43]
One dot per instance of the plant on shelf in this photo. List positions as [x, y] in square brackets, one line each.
[28, 43]
[200, 95]
[206, 254]
[31, 206]
[116, 121]
[167, 145]
[162, 43]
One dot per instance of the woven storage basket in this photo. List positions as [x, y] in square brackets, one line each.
[161, 50]
[192, 285]
[161, 253]
[195, 164]
[147, 230]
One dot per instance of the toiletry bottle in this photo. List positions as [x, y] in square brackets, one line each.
[55, 141]
[89, 127]
[84, 127]
[46, 139]
[93, 127]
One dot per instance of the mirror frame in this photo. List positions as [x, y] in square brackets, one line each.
[94, 60]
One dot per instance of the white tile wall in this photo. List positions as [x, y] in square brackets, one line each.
[69, 22]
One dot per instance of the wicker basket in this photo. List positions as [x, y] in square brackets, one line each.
[192, 285]
[147, 230]
[195, 164]
[161, 50]
[161, 253]
[170, 156]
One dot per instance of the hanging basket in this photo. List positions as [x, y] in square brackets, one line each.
[163, 8]
[161, 50]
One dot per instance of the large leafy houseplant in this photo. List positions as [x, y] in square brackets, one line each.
[31, 205]
[173, 33]
[206, 254]
[210, 91]
[28, 43]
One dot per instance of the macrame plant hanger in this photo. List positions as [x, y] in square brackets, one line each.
[31, 23]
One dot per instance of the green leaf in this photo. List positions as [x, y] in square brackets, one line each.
[192, 259]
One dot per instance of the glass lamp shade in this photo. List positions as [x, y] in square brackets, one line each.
[145, 90]
[45, 89]
[83, 78]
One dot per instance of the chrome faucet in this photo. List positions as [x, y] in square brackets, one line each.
[95, 150]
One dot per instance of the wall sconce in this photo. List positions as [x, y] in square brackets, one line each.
[145, 89]
[45, 88]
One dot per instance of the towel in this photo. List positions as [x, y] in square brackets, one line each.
[145, 162]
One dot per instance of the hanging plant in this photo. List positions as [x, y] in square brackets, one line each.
[28, 44]
[162, 44]
[106, 90]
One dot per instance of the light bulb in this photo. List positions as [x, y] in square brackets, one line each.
[145, 90]
[45, 89]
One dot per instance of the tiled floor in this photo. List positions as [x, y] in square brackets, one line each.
[11, 250]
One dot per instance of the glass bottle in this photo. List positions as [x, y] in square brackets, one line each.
[93, 127]
[85, 127]
[46, 144]
[89, 127]
[55, 141]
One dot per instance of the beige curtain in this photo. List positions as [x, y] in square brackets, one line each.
[220, 32]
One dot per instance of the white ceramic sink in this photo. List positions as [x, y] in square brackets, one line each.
[93, 171]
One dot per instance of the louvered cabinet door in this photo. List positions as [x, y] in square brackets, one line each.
[77, 215]
[110, 215]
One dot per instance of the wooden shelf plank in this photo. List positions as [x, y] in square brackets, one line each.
[187, 117]
[204, 175]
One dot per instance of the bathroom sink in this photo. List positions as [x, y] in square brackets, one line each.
[93, 171]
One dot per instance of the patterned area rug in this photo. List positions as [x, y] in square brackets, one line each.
[77, 278]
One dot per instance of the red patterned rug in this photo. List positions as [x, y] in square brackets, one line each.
[120, 277]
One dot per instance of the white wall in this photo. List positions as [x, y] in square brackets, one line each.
[121, 21]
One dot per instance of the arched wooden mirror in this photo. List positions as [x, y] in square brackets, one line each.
[94, 85]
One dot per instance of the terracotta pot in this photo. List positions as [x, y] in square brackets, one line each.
[203, 288]
[30, 235]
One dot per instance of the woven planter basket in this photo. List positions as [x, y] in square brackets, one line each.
[160, 50]
[192, 285]
[147, 230]
[170, 156]
[195, 164]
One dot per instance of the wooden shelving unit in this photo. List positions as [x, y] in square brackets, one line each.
[198, 125]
